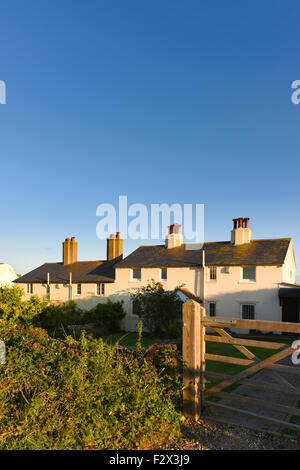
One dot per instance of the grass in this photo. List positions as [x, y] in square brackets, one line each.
[233, 369]
[129, 339]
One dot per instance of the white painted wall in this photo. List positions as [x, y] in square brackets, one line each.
[289, 267]
[125, 285]
[7, 275]
[62, 293]
[229, 291]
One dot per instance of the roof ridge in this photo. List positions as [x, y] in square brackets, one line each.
[270, 239]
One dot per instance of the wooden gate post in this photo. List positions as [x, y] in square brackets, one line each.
[193, 351]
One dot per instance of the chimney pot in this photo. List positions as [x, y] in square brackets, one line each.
[118, 235]
[174, 239]
[241, 233]
[246, 222]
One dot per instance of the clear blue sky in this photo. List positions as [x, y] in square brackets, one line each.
[162, 101]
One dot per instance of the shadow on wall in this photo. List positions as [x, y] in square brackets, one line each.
[265, 301]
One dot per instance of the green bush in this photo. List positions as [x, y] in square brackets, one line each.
[12, 306]
[107, 316]
[82, 394]
[168, 360]
[159, 310]
[54, 317]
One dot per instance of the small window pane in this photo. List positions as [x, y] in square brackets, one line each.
[164, 274]
[136, 273]
[249, 273]
[135, 307]
[100, 289]
[248, 312]
[213, 273]
[29, 288]
[78, 289]
[212, 309]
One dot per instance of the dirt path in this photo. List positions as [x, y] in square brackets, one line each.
[205, 435]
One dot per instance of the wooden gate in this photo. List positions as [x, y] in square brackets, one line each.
[197, 393]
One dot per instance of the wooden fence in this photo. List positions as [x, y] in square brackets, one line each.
[196, 396]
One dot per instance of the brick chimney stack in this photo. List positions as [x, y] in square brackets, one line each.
[114, 247]
[70, 248]
[175, 238]
[241, 232]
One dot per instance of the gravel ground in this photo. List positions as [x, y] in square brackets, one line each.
[205, 435]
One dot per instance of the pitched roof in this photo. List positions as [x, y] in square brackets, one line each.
[257, 252]
[82, 272]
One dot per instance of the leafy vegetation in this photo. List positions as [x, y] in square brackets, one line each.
[69, 394]
[106, 316]
[65, 394]
[159, 310]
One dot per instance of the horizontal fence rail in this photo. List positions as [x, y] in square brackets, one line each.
[196, 393]
[284, 327]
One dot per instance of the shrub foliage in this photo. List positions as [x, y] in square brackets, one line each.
[66, 394]
[82, 394]
[159, 310]
[53, 318]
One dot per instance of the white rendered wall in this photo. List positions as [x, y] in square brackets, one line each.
[7, 275]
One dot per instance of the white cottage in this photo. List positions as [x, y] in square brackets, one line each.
[240, 278]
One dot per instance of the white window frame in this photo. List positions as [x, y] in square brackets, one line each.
[134, 279]
[163, 278]
[29, 288]
[215, 304]
[101, 289]
[253, 304]
[242, 274]
[210, 270]
[78, 289]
